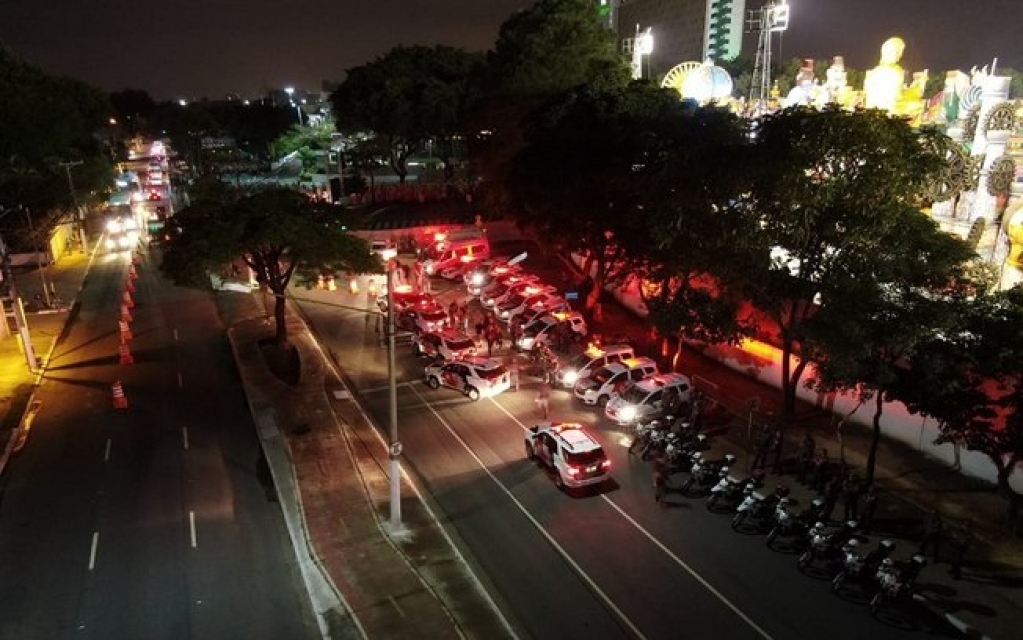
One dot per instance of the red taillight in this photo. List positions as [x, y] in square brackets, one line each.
[572, 471]
[605, 464]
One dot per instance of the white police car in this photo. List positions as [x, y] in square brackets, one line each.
[647, 398]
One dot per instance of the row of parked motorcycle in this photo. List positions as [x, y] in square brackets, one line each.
[835, 551]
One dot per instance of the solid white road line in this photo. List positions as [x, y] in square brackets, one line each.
[175, 335]
[181, 384]
[681, 563]
[92, 552]
[106, 453]
[539, 527]
[184, 437]
[191, 527]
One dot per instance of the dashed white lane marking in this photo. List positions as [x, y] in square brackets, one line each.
[92, 552]
[106, 452]
[191, 527]
[175, 335]
[181, 383]
[184, 437]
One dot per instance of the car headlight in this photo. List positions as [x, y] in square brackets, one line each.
[571, 377]
[477, 279]
[628, 414]
[114, 226]
[111, 243]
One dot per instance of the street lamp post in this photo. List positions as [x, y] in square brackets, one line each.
[392, 386]
[291, 93]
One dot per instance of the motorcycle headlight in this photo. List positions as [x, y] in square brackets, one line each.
[628, 414]
[571, 377]
[477, 279]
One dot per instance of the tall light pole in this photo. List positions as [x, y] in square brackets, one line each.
[291, 93]
[79, 218]
[642, 47]
[394, 450]
[39, 257]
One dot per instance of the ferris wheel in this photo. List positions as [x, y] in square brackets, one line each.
[676, 76]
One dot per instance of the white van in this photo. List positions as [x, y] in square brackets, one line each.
[456, 253]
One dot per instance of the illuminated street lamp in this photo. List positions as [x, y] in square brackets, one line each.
[291, 93]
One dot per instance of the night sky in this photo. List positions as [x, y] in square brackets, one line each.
[197, 48]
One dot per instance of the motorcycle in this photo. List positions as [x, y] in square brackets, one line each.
[759, 508]
[732, 491]
[642, 435]
[863, 569]
[793, 526]
[895, 583]
[705, 474]
[827, 545]
[682, 455]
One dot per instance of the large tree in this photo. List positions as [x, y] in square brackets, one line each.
[833, 194]
[867, 336]
[575, 182]
[407, 96]
[540, 53]
[278, 233]
[969, 379]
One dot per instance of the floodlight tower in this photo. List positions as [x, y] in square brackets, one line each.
[769, 19]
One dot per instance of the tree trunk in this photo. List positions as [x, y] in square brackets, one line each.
[1015, 500]
[875, 439]
[280, 303]
[790, 382]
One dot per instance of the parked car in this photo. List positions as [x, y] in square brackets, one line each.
[541, 330]
[540, 300]
[583, 364]
[422, 320]
[647, 398]
[475, 377]
[570, 452]
[500, 286]
[446, 345]
[597, 389]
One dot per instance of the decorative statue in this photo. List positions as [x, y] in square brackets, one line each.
[884, 83]
[803, 91]
[911, 104]
[836, 88]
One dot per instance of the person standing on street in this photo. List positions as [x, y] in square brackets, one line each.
[851, 497]
[660, 471]
[543, 398]
[960, 545]
[869, 508]
[513, 373]
[806, 451]
[932, 534]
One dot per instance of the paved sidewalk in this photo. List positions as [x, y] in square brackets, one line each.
[411, 583]
[17, 383]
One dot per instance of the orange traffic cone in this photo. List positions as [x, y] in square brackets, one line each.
[125, 330]
[330, 284]
[353, 286]
[125, 314]
[321, 282]
[126, 354]
[127, 301]
[120, 402]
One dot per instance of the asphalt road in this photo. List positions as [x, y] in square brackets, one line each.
[147, 522]
[610, 563]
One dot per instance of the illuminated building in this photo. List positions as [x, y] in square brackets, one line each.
[685, 29]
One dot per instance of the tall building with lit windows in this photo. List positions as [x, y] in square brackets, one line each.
[683, 30]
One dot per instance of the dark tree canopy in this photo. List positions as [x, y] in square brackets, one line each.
[409, 95]
[278, 233]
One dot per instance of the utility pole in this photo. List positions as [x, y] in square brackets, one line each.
[79, 221]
